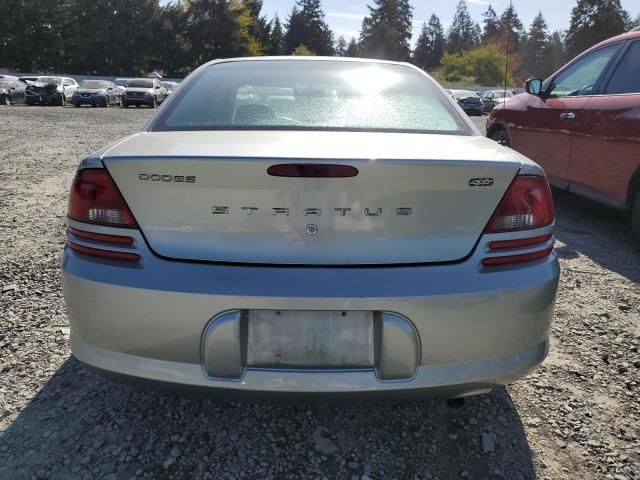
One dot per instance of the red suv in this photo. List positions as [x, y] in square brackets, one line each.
[582, 124]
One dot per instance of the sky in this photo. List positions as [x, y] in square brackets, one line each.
[345, 16]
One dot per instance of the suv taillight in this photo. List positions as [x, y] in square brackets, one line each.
[94, 198]
[527, 205]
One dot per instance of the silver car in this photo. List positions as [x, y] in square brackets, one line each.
[354, 236]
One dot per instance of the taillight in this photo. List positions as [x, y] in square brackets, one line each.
[94, 198]
[527, 204]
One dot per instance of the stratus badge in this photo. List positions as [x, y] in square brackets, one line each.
[481, 182]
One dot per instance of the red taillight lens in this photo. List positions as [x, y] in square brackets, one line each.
[95, 199]
[512, 259]
[101, 237]
[527, 204]
[99, 252]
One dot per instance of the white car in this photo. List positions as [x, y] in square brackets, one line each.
[356, 236]
[48, 90]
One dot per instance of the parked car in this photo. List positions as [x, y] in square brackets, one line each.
[121, 84]
[97, 93]
[11, 91]
[491, 98]
[582, 124]
[50, 90]
[144, 91]
[469, 101]
[169, 87]
[359, 237]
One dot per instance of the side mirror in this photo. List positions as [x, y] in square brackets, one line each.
[157, 87]
[110, 88]
[533, 86]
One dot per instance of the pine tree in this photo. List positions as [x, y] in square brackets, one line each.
[510, 29]
[593, 21]
[276, 38]
[535, 48]
[341, 46]
[555, 53]
[246, 21]
[307, 26]
[430, 45]
[463, 34]
[491, 25]
[386, 31]
[211, 30]
[353, 49]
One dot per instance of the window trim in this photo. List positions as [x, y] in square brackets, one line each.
[597, 88]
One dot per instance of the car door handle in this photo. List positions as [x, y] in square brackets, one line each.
[568, 116]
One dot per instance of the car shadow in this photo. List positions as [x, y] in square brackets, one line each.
[590, 229]
[80, 425]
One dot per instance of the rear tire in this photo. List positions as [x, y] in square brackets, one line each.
[500, 136]
[124, 105]
[635, 218]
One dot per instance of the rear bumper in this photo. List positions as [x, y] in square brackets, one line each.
[476, 327]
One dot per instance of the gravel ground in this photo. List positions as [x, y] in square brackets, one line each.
[577, 416]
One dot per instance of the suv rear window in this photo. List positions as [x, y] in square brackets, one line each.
[626, 78]
[310, 95]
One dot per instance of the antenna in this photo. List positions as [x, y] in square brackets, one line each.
[506, 64]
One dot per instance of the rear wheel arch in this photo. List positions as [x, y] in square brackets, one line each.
[495, 129]
[633, 204]
[633, 189]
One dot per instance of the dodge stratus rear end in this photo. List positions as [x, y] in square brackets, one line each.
[311, 226]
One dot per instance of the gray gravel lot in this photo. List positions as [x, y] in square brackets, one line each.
[577, 416]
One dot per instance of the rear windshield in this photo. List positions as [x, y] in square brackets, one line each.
[310, 95]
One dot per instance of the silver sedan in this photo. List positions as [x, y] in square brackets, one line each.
[311, 226]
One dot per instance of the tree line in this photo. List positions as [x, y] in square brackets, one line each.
[132, 37]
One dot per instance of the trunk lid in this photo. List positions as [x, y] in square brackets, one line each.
[208, 196]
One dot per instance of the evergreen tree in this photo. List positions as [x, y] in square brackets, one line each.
[535, 49]
[276, 38]
[353, 49]
[211, 31]
[247, 25]
[430, 45]
[306, 26]
[491, 25]
[463, 34]
[555, 53]
[510, 29]
[593, 21]
[386, 31]
[341, 47]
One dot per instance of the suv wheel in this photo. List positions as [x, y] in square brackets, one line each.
[635, 218]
